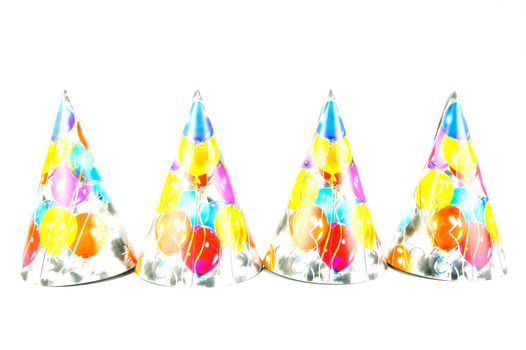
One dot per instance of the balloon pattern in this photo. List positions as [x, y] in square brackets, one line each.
[327, 234]
[199, 235]
[75, 235]
[452, 233]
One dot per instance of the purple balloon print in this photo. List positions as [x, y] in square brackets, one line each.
[66, 188]
[223, 184]
[175, 165]
[354, 178]
[436, 159]
[307, 163]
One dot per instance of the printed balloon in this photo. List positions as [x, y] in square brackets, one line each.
[172, 231]
[66, 188]
[58, 230]
[231, 228]
[304, 191]
[476, 247]
[448, 227]
[308, 228]
[332, 157]
[490, 223]
[171, 193]
[32, 244]
[81, 160]
[338, 249]
[199, 158]
[92, 234]
[203, 252]
[400, 258]
[56, 154]
[434, 191]
[460, 156]
[362, 226]
[223, 184]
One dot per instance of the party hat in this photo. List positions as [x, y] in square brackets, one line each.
[75, 235]
[327, 234]
[449, 231]
[198, 236]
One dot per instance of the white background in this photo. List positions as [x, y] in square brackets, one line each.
[264, 71]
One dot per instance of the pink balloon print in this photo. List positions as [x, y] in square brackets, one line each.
[223, 184]
[436, 159]
[66, 188]
[307, 163]
[354, 178]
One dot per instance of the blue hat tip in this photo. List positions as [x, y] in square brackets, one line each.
[199, 128]
[65, 118]
[454, 124]
[330, 125]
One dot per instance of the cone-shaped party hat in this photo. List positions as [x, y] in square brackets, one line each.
[449, 231]
[327, 234]
[198, 236]
[75, 235]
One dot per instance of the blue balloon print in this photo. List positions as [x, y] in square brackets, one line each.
[330, 125]
[94, 175]
[472, 208]
[81, 160]
[199, 128]
[343, 211]
[64, 122]
[336, 210]
[101, 193]
[208, 213]
[41, 209]
[454, 124]
[326, 201]
[406, 220]
[189, 203]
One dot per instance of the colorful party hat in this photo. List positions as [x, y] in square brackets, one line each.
[198, 236]
[75, 235]
[449, 232]
[327, 234]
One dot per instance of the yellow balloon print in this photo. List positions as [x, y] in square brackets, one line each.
[171, 194]
[434, 191]
[362, 226]
[459, 155]
[304, 191]
[491, 224]
[199, 158]
[231, 228]
[56, 153]
[334, 157]
[58, 230]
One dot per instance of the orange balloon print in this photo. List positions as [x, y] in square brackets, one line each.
[270, 259]
[400, 258]
[448, 227]
[92, 234]
[308, 227]
[172, 231]
[82, 138]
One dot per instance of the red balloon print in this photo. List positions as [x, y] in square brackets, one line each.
[203, 251]
[337, 251]
[476, 246]
[32, 244]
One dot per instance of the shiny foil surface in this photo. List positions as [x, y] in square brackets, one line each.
[449, 231]
[74, 235]
[198, 236]
[327, 234]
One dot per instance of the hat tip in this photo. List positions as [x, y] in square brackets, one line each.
[453, 97]
[331, 94]
[65, 95]
[197, 96]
